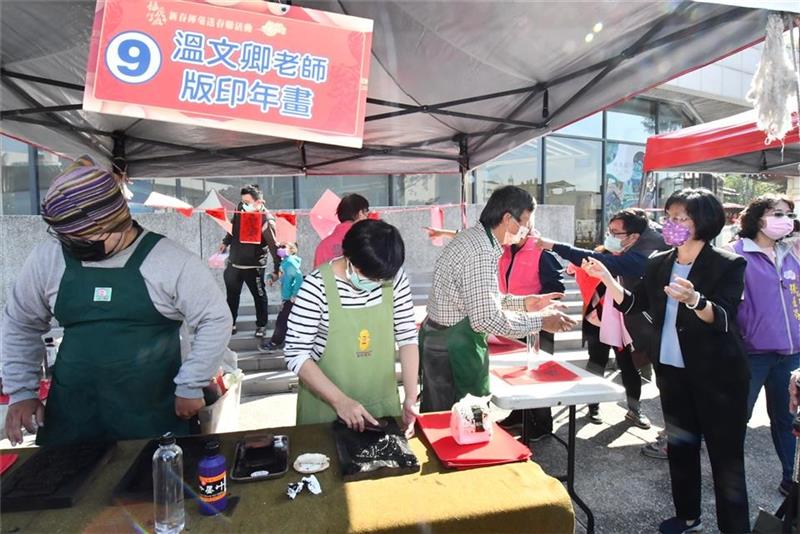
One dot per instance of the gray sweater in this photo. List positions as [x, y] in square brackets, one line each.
[179, 284]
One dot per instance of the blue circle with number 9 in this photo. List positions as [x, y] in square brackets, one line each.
[133, 57]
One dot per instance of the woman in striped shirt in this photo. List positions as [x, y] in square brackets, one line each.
[345, 323]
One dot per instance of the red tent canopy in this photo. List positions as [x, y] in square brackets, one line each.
[733, 144]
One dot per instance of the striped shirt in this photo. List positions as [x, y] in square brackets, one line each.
[310, 319]
[465, 285]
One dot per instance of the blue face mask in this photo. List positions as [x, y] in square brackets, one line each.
[364, 284]
[612, 243]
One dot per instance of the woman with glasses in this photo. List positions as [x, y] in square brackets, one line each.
[343, 327]
[769, 315]
[692, 292]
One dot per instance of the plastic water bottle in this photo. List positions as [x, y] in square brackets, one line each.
[532, 363]
[211, 474]
[170, 516]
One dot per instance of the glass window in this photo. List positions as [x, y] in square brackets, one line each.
[670, 118]
[624, 164]
[50, 166]
[521, 167]
[14, 178]
[591, 126]
[374, 187]
[278, 191]
[420, 189]
[572, 168]
[631, 121]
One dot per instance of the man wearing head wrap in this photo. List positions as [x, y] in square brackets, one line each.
[121, 294]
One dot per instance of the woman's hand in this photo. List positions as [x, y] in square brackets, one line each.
[596, 269]
[410, 415]
[354, 415]
[542, 242]
[682, 290]
[439, 232]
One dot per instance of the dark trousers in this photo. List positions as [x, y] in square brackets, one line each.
[254, 278]
[281, 323]
[598, 359]
[694, 408]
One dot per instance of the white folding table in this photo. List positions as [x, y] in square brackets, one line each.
[587, 389]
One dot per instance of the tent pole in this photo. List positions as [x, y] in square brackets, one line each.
[463, 164]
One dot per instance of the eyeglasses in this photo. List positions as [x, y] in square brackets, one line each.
[618, 234]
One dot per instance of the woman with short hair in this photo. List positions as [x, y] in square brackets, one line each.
[768, 315]
[343, 327]
[692, 292]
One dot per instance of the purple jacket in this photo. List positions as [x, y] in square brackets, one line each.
[769, 316]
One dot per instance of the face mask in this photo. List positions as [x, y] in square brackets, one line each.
[282, 253]
[86, 250]
[613, 244]
[248, 207]
[365, 285]
[777, 227]
[514, 239]
[675, 234]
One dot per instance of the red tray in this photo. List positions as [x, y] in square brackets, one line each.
[502, 448]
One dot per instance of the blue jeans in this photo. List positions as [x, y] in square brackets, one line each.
[771, 370]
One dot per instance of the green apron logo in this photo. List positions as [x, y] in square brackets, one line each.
[102, 294]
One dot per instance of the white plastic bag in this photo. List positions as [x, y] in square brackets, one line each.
[470, 421]
[218, 260]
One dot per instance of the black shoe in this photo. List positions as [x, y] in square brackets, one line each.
[260, 331]
[269, 346]
[539, 434]
[594, 415]
[676, 525]
[513, 421]
[233, 330]
[785, 487]
[638, 419]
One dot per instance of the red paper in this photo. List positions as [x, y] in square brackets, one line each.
[290, 217]
[501, 345]
[285, 232]
[44, 389]
[323, 215]
[6, 461]
[501, 449]
[250, 228]
[374, 216]
[549, 371]
[437, 221]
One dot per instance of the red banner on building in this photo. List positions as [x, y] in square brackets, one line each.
[257, 67]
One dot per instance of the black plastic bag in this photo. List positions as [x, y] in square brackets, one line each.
[373, 453]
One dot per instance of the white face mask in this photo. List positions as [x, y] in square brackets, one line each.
[613, 244]
[514, 239]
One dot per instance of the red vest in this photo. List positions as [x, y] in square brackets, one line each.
[524, 277]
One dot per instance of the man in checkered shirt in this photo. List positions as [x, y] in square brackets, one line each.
[465, 304]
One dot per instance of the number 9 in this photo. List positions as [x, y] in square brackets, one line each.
[133, 57]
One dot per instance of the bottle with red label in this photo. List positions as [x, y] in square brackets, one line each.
[213, 492]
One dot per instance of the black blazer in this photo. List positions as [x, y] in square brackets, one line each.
[714, 351]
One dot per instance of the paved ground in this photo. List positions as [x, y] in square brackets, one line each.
[628, 492]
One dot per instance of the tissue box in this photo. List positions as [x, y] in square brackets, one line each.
[463, 426]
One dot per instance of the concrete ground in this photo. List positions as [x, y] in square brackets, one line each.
[628, 492]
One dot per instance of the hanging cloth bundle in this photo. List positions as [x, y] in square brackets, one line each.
[774, 84]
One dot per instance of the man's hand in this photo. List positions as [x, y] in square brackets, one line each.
[553, 320]
[28, 413]
[538, 302]
[544, 243]
[793, 378]
[439, 232]
[222, 248]
[353, 414]
[186, 408]
[410, 415]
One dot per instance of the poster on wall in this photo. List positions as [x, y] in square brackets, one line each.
[624, 164]
[257, 67]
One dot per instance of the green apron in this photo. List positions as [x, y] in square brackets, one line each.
[113, 378]
[359, 357]
[455, 362]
